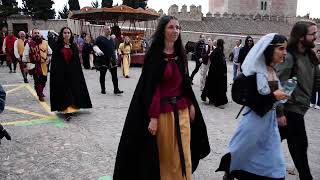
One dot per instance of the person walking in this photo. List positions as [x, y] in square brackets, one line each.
[124, 51]
[3, 34]
[215, 88]
[37, 53]
[8, 50]
[18, 53]
[3, 131]
[255, 148]
[198, 52]
[164, 135]
[68, 89]
[302, 63]
[105, 51]
[87, 51]
[206, 62]
[248, 44]
[315, 98]
[236, 65]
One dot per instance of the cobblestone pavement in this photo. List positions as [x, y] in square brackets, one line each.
[45, 147]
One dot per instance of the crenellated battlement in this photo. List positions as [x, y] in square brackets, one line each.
[195, 14]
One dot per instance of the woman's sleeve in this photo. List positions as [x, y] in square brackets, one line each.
[261, 104]
[154, 109]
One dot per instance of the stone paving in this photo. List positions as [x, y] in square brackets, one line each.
[46, 147]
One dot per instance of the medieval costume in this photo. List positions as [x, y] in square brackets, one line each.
[36, 54]
[197, 53]
[18, 53]
[86, 51]
[248, 44]
[3, 132]
[2, 55]
[205, 64]
[8, 48]
[106, 45]
[255, 149]
[68, 89]
[216, 84]
[125, 50]
[163, 92]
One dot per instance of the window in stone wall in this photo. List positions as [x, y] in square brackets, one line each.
[261, 5]
[265, 5]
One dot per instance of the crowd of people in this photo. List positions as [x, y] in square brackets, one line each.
[165, 135]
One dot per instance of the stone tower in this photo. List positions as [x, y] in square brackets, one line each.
[271, 7]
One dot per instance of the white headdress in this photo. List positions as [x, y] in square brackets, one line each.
[255, 63]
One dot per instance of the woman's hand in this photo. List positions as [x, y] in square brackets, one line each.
[282, 121]
[192, 113]
[153, 126]
[280, 95]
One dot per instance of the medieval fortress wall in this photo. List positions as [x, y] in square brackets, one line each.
[281, 10]
[287, 8]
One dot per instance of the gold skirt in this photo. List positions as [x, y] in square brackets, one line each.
[170, 166]
[71, 109]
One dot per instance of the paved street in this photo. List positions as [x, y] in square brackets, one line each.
[46, 147]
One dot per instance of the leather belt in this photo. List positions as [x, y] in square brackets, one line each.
[173, 101]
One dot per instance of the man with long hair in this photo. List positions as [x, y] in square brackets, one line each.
[301, 62]
[38, 53]
[243, 52]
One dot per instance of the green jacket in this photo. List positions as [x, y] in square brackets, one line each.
[308, 75]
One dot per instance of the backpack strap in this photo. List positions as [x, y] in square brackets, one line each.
[240, 111]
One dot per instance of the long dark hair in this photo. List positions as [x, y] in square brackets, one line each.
[60, 42]
[300, 29]
[220, 44]
[155, 51]
[268, 52]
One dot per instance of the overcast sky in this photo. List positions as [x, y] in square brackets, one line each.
[304, 6]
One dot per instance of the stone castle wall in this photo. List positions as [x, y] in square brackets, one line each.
[195, 13]
[51, 24]
[274, 7]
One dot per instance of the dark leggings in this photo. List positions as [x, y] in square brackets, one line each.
[113, 71]
[295, 133]
[196, 69]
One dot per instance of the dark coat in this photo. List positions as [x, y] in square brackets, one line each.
[2, 98]
[244, 50]
[67, 83]
[137, 156]
[216, 84]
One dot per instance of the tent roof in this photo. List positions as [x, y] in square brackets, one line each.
[116, 13]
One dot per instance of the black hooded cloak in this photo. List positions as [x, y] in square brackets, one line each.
[137, 156]
[244, 51]
[67, 83]
[216, 83]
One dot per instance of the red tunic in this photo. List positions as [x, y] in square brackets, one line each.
[170, 86]
[67, 54]
[10, 42]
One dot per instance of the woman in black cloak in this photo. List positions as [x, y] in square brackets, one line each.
[68, 89]
[216, 84]
[164, 135]
[86, 51]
